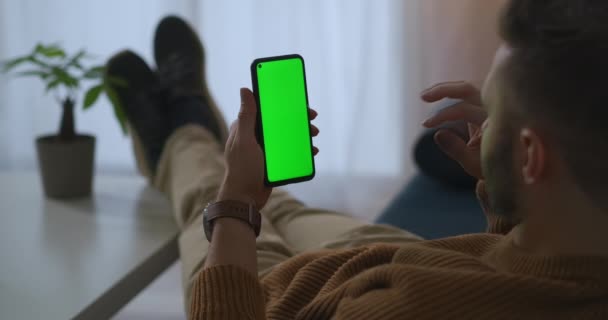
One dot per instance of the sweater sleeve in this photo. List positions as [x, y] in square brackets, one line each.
[227, 292]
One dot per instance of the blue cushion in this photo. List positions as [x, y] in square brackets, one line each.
[434, 210]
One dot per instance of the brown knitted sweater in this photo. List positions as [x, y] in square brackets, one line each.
[481, 276]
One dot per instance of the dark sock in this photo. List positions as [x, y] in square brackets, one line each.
[186, 110]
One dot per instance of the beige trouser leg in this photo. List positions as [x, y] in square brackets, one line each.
[190, 173]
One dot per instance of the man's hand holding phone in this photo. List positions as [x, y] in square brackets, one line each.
[244, 179]
[232, 242]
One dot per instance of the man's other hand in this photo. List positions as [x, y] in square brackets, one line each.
[467, 153]
[244, 179]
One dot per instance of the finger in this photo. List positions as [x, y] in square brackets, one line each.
[475, 141]
[439, 85]
[312, 114]
[461, 111]
[315, 151]
[456, 148]
[456, 90]
[314, 131]
[474, 136]
[472, 129]
[247, 114]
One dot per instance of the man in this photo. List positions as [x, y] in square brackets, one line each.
[538, 147]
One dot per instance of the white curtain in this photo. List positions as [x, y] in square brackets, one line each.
[363, 62]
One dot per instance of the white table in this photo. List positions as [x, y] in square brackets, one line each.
[81, 259]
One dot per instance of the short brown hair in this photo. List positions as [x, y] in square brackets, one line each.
[558, 77]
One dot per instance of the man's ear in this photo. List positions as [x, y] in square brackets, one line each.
[534, 156]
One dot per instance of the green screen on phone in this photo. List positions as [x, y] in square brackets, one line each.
[281, 87]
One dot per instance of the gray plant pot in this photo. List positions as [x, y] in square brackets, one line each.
[66, 167]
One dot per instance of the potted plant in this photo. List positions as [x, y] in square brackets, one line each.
[66, 159]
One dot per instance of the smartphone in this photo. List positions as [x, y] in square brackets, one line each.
[283, 124]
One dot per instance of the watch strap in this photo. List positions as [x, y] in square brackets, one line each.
[231, 209]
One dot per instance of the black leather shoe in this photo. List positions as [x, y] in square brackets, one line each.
[142, 103]
[180, 59]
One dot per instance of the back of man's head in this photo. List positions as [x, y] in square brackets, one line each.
[557, 78]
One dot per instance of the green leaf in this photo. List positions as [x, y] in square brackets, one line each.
[39, 47]
[11, 64]
[64, 77]
[37, 73]
[38, 62]
[79, 55]
[92, 95]
[95, 72]
[118, 109]
[75, 60]
[52, 85]
[50, 51]
[117, 81]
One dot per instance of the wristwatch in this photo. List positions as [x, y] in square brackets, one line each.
[231, 209]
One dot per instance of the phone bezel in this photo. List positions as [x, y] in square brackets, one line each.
[259, 126]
